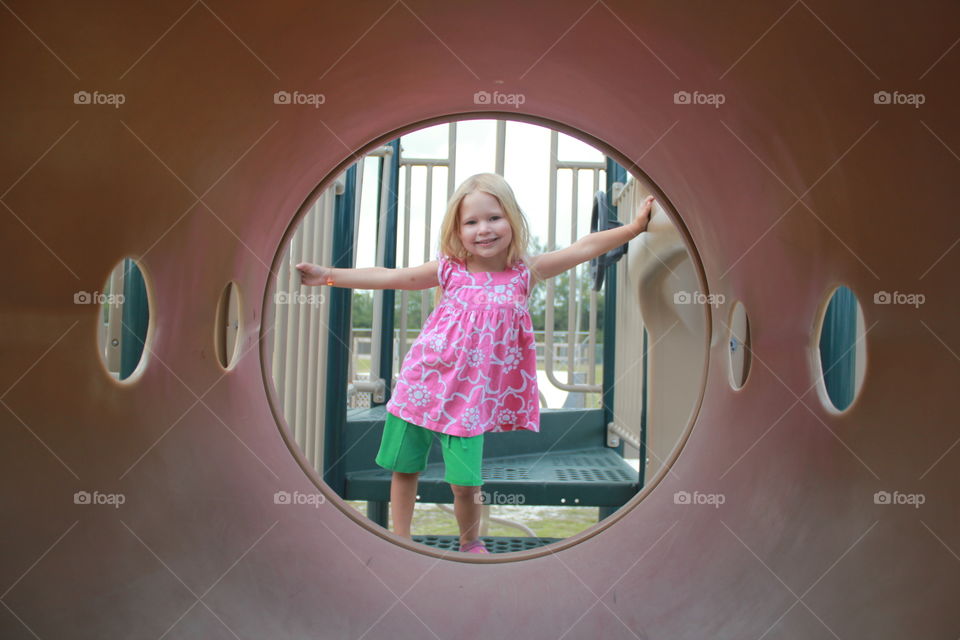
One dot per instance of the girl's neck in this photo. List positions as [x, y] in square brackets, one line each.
[476, 264]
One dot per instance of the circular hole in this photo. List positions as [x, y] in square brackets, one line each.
[124, 325]
[226, 335]
[842, 352]
[326, 364]
[739, 346]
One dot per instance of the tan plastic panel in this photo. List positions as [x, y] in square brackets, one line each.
[199, 174]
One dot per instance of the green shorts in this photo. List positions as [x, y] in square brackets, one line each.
[405, 448]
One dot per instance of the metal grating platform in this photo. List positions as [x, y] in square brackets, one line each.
[494, 544]
[583, 477]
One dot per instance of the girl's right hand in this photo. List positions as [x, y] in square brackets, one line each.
[312, 274]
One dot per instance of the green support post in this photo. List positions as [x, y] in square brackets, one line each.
[378, 510]
[136, 316]
[338, 350]
[615, 173]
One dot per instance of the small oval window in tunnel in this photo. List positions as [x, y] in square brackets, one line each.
[227, 326]
[334, 354]
[124, 319]
[842, 349]
[739, 346]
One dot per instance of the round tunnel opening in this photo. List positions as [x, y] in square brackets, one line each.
[739, 352]
[678, 269]
[841, 351]
[123, 326]
[227, 326]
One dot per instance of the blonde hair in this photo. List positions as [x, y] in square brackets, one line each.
[497, 187]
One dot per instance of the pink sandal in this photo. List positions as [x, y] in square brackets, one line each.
[475, 546]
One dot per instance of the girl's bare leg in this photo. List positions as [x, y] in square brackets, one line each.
[403, 497]
[466, 506]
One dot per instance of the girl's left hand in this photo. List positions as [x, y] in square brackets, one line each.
[643, 216]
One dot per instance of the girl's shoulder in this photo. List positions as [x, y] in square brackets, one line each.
[447, 267]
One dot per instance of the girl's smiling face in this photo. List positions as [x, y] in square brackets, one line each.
[484, 229]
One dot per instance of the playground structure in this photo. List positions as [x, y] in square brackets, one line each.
[580, 456]
[811, 174]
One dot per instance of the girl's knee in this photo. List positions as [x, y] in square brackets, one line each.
[464, 491]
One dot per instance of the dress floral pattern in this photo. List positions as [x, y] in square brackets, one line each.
[473, 368]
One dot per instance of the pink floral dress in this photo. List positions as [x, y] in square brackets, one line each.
[473, 368]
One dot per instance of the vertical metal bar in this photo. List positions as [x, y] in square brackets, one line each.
[615, 173]
[451, 160]
[303, 337]
[573, 297]
[592, 338]
[388, 252]
[325, 219]
[428, 207]
[501, 145]
[357, 202]
[291, 355]
[337, 350]
[309, 428]
[551, 244]
[404, 295]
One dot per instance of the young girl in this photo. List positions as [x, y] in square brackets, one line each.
[473, 368]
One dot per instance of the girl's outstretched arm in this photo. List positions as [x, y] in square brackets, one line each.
[409, 278]
[554, 263]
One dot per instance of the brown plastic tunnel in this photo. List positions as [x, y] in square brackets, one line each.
[799, 181]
